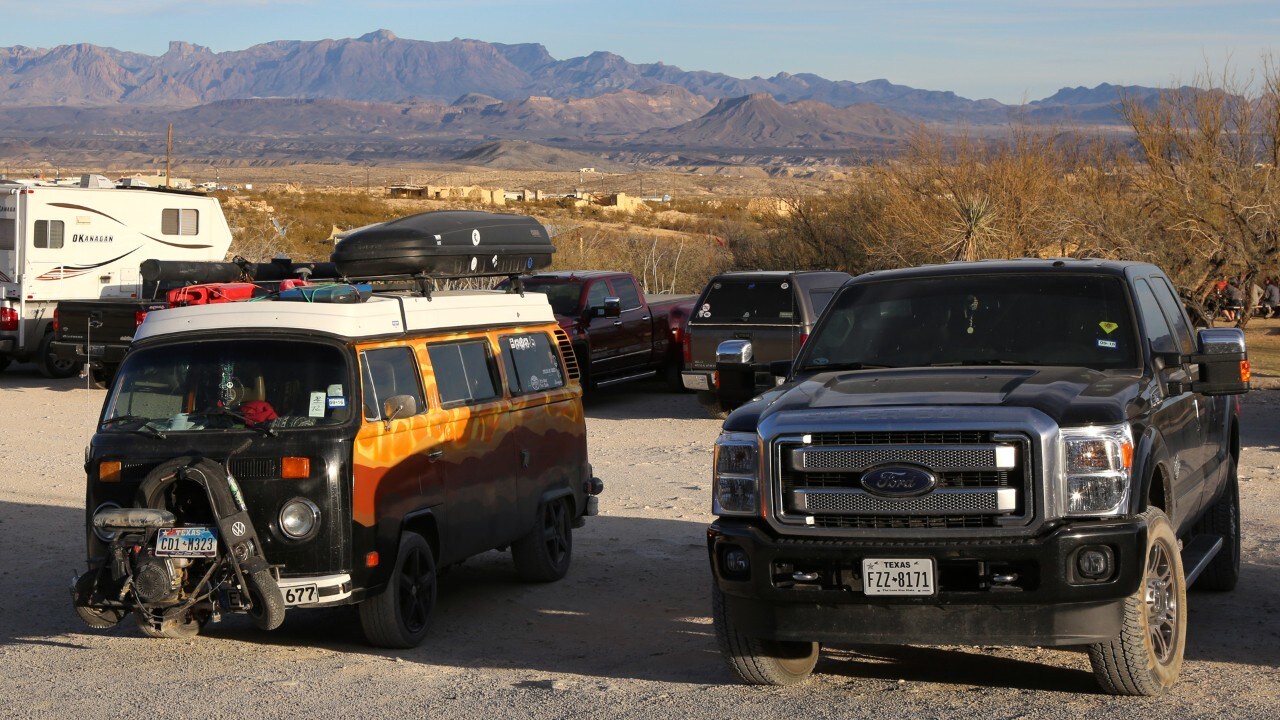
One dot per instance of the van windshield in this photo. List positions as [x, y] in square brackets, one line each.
[1065, 319]
[231, 384]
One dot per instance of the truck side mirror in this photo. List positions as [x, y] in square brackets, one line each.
[612, 307]
[1223, 361]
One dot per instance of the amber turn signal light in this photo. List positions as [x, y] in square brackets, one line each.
[109, 471]
[295, 467]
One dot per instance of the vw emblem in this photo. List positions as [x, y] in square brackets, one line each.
[898, 481]
[237, 528]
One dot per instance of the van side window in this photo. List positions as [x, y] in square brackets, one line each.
[49, 234]
[464, 371]
[174, 221]
[386, 372]
[625, 288]
[532, 363]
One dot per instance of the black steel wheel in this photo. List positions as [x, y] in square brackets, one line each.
[544, 553]
[400, 615]
[756, 661]
[1146, 657]
[50, 365]
[1223, 520]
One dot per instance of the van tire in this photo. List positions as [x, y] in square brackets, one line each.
[544, 553]
[756, 661]
[1146, 657]
[400, 615]
[49, 365]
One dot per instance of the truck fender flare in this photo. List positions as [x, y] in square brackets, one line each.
[1150, 454]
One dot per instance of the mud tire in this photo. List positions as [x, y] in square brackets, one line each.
[1223, 520]
[400, 616]
[760, 662]
[1146, 657]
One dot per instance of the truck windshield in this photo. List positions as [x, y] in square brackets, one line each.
[1064, 319]
[230, 384]
[770, 301]
[563, 296]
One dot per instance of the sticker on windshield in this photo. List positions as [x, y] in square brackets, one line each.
[316, 410]
[820, 361]
[786, 286]
[335, 391]
[1108, 327]
[337, 402]
[1106, 343]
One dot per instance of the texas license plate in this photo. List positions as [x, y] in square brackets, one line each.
[187, 542]
[898, 576]
[300, 594]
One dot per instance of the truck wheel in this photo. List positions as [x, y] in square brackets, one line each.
[544, 553]
[1146, 657]
[49, 364]
[400, 615]
[1223, 519]
[760, 662]
[712, 405]
[672, 376]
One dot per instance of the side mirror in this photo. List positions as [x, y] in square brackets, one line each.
[398, 406]
[612, 307]
[1223, 361]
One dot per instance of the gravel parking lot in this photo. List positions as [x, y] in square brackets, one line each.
[627, 634]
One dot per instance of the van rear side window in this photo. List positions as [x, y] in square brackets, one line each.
[464, 372]
[532, 363]
[385, 373]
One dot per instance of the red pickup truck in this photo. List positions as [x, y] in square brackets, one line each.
[618, 332]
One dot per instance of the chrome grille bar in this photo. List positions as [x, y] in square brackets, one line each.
[939, 458]
[959, 501]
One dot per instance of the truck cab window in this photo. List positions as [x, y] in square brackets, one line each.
[626, 291]
[1157, 327]
[596, 295]
[387, 372]
[464, 372]
[49, 234]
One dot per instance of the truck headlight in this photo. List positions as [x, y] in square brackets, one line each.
[736, 484]
[1097, 465]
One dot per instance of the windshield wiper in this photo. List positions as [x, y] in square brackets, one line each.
[260, 427]
[144, 428]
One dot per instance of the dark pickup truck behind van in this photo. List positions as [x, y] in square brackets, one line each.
[1034, 452]
[773, 311]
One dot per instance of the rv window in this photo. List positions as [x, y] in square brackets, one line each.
[387, 372]
[464, 373]
[8, 234]
[49, 234]
[531, 362]
[179, 222]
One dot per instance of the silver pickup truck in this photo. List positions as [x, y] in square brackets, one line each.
[772, 311]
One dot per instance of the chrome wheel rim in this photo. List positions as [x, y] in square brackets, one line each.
[1162, 603]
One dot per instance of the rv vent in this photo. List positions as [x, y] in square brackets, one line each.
[566, 351]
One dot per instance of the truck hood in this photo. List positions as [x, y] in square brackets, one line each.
[1067, 395]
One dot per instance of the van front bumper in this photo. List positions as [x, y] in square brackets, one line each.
[1001, 591]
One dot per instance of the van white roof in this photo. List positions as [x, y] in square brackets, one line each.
[379, 316]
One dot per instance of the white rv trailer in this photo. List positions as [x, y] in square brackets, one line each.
[86, 243]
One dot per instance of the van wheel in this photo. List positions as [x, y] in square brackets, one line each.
[1146, 657]
[4, 361]
[760, 662]
[400, 616]
[1223, 520]
[49, 365]
[544, 553]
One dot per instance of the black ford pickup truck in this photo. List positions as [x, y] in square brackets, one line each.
[1031, 452]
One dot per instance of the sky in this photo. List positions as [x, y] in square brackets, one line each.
[1002, 49]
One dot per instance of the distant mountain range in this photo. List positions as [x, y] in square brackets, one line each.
[381, 92]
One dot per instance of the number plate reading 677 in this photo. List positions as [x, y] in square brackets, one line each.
[897, 576]
[187, 542]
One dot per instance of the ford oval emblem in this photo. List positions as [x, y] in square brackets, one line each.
[898, 480]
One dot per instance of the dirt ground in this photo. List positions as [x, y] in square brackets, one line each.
[626, 634]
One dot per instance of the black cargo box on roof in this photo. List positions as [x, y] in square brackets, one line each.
[447, 243]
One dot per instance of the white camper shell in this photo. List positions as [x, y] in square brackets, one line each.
[86, 243]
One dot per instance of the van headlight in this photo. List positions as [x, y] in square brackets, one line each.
[299, 519]
[1097, 465]
[736, 483]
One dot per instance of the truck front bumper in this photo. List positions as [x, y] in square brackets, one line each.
[1000, 591]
